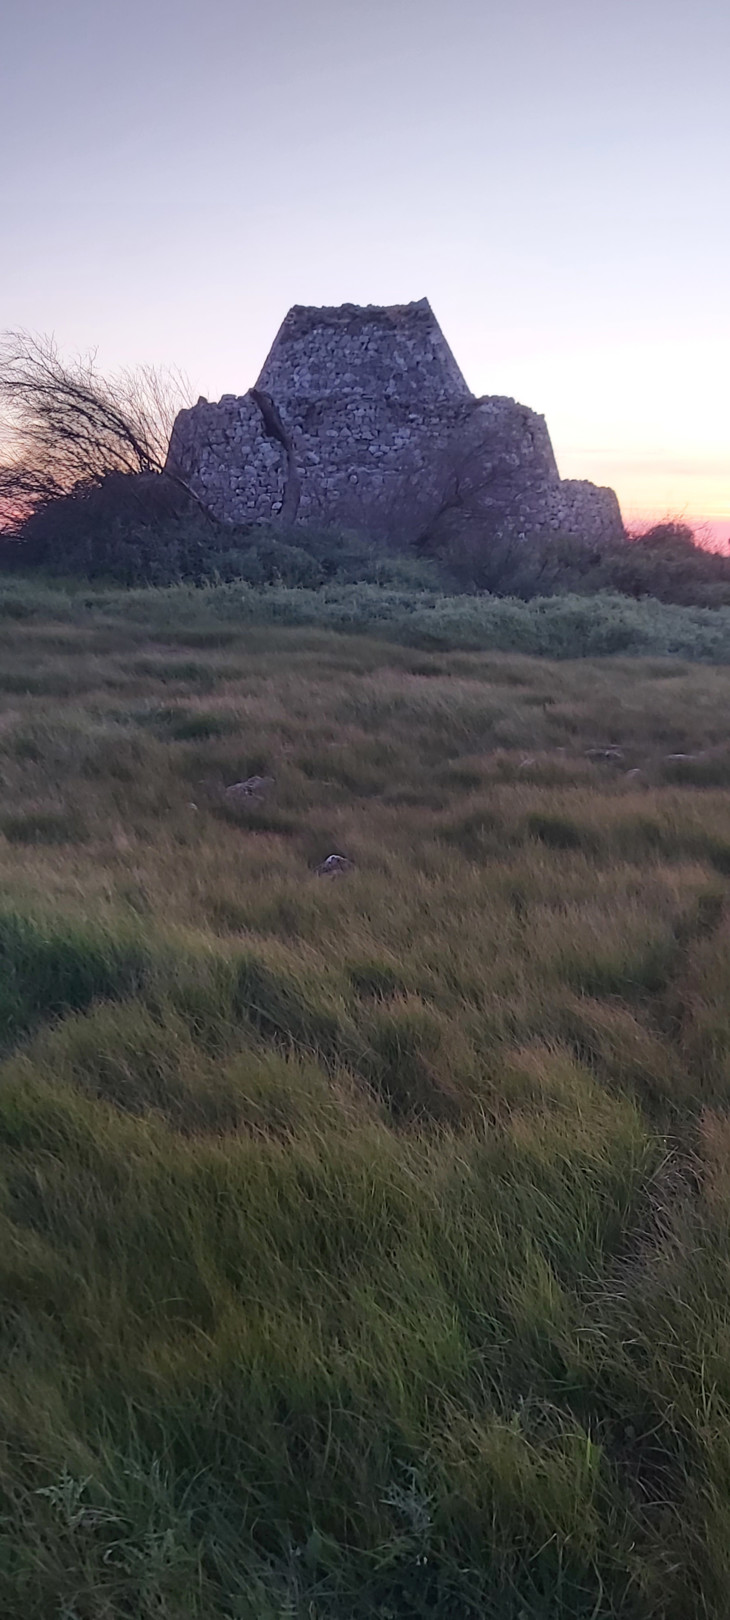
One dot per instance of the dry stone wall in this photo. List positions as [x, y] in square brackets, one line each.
[362, 419]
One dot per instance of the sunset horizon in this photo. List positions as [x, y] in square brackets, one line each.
[550, 180]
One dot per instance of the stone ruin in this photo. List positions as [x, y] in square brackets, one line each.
[361, 419]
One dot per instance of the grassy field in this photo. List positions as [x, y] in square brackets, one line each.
[365, 1240]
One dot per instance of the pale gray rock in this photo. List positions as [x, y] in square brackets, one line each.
[254, 787]
[334, 866]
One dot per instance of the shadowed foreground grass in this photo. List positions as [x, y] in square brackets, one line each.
[365, 1242]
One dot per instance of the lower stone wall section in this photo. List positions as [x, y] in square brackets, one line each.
[387, 470]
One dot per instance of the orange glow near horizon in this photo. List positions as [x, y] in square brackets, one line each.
[656, 490]
[711, 532]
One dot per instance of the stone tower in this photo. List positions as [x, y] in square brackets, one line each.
[362, 419]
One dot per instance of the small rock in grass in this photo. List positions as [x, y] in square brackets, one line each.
[255, 787]
[334, 866]
[604, 753]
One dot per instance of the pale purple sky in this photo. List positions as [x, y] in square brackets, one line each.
[555, 178]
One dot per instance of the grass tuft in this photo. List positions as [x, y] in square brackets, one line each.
[51, 969]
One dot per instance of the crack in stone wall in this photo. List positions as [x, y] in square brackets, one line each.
[274, 428]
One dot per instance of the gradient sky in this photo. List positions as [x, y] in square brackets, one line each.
[554, 177]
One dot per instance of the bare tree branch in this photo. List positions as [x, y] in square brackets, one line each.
[64, 428]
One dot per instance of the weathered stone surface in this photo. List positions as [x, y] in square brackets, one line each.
[361, 418]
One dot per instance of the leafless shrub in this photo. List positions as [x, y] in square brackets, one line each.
[65, 428]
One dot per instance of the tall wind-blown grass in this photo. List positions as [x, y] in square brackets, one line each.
[365, 1241]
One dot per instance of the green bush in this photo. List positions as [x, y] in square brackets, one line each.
[143, 530]
[666, 563]
[571, 626]
[553, 627]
